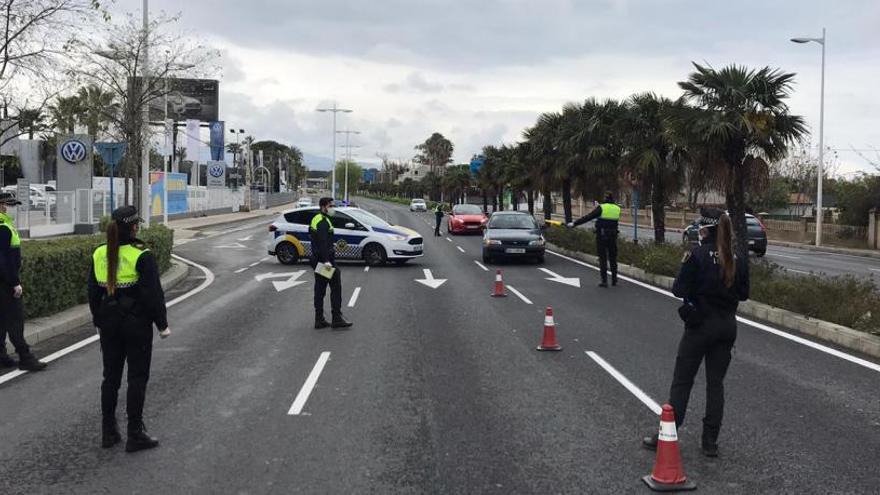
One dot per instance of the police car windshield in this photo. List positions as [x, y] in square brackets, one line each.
[512, 222]
[367, 218]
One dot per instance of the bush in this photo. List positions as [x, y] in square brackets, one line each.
[54, 272]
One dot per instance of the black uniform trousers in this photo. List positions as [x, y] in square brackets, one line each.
[132, 342]
[335, 284]
[712, 341]
[12, 322]
[438, 218]
[606, 247]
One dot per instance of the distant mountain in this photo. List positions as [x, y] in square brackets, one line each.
[315, 162]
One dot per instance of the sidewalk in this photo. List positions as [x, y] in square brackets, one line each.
[208, 221]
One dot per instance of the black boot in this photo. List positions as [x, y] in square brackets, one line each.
[138, 438]
[7, 361]
[110, 435]
[603, 284]
[614, 279]
[29, 362]
[320, 321]
[709, 444]
[650, 443]
[340, 322]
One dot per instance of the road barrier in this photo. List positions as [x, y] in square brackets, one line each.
[668, 474]
[548, 342]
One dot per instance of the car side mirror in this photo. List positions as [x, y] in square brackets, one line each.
[349, 225]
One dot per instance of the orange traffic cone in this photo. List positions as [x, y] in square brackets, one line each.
[499, 286]
[668, 475]
[548, 343]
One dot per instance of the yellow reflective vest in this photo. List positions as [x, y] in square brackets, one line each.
[126, 273]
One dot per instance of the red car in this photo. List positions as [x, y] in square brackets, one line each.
[466, 218]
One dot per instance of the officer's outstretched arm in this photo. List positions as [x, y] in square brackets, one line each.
[596, 213]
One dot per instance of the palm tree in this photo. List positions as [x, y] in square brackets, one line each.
[543, 154]
[98, 109]
[456, 182]
[435, 152]
[742, 118]
[65, 113]
[31, 120]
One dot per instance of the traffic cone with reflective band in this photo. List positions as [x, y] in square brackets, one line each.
[668, 475]
[499, 286]
[548, 343]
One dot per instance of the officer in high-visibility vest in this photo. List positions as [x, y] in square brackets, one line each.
[11, 305]
[321, 233]
[126, 300]
[438, 218]
[607, 215]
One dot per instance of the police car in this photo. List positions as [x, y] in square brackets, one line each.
[357, 233]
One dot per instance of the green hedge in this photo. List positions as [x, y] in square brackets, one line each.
[54, 272]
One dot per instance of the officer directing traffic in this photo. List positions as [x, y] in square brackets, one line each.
[711, 282]
[126, 300]
[11, 291]
[607, 216]
[321, 233]
[438, 218]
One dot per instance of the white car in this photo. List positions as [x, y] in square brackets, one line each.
[304, 202]
[358, 234]
[418, 205]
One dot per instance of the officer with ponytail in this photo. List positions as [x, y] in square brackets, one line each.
[711, 282]
[126, 300]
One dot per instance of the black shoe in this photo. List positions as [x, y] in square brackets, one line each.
[614, 280]
[710, 449]
[321, 323]
[650, 443]
[110, 435]
[340, 322]
[31, 363]
[603, 284]
[7, 361]
[139, 440]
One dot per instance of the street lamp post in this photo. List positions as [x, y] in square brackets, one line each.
[335, 109]
[145, 149]
[236, 152]
[820, 168]
[348, 134]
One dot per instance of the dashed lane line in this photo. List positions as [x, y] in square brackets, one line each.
[448, 239]
[354, 297]
[242, 269]
[519, 294]
[481, 266]
[460, 249]
[635, 390]
[303, 396]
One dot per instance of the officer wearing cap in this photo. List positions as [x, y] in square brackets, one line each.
[11, 305]
[321, 233]
[126, 300]
[438, 218]
[711, 282]
[607, 216]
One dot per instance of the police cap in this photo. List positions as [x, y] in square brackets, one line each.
[126, 215]
[709, 217]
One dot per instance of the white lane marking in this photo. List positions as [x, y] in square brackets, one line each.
[785, 256]
[875, 269]
[265, 258]
[519, 294]
[366, 268]
[244, 239]
[354, 297]
[796, 271]
[241, 269]
[481, 266]
[460, 249]
[642, 396]
[448, 239]
[209, 279]
[306, 390]
[254, 264]
[759, 326]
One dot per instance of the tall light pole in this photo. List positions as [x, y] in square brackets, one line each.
[820, 171]
[238, 152]
[335, 109]
[145, 148]
[348, 134]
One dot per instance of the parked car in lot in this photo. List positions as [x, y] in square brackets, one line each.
[418, 205]
[756, 231]
[304, 202]
[357, 233]
[465, 219]
[513, 234]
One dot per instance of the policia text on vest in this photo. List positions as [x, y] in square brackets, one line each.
[607, 216]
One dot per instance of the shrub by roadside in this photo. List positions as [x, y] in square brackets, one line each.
[55, 272]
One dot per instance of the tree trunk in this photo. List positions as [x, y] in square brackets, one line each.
[485, 202]
[514, 200]
[501, 200]
[736, 205]
[494, 202]
[566, 200]
[548, 203]
[530, 199]
[657, 206]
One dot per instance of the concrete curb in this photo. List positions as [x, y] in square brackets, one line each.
[831, 332]
[40, 329]
[827, 249]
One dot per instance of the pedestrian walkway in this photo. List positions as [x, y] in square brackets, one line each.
[207, 221]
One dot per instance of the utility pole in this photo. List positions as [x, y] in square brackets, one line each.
[335, 109]
[145, 145]
[348, 134]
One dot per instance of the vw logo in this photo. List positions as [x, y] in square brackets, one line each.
[216, 171]
[73, 151]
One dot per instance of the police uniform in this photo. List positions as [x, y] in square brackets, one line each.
[438, 217]
[11, 307]
[607, 216]
[321, 233]
[125, 322]
[709, 312]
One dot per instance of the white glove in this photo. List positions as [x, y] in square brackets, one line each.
[570, 225]
[328, 264]
[165, 333]
[17, 291]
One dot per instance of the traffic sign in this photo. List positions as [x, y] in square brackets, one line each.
[112, 154]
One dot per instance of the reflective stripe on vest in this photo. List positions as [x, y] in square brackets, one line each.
[6, 221]
[126, 272]
[610, 211]
[317, 219]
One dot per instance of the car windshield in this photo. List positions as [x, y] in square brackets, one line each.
[418, 201]
[512, 222]
[367, 218]
[466, 210]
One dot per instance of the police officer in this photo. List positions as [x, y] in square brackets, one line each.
[711, 282]
[11, 305]
[126, 300]
[321, 232]
[438, 217]
[607, 215]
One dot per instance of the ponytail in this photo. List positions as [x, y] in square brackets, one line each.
[725, 250]
[112, 256]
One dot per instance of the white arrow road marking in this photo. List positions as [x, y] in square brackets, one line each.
[281, 286]
[555, 277]
[237, 245]
[245, 238]
[430, 281]
[306, 390]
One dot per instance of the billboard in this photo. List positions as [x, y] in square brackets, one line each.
[177, 197]
[197, 99]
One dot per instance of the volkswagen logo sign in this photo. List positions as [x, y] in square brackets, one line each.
[216, 171]
[73, 151]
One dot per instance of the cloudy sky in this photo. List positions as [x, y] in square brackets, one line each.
[479, 71]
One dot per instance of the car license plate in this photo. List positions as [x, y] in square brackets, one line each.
[751, 243]
[515, 251]
[473, 226]
[417, 248]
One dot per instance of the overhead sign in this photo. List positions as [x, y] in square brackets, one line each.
[476, 163]
[216, 175]
[186, 99]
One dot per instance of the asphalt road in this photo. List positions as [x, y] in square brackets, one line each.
[433, 390]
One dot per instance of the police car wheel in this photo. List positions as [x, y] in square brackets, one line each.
[374, 254]
[286, 253]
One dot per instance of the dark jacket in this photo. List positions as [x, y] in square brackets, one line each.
[10, 260]
[322, 243]
[602, 225]
[699, 281]
[147, 293]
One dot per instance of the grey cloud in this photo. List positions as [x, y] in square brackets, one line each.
[415, 83]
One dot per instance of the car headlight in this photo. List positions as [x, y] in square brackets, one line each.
[491, 242]
[537, 242]
[395, 237]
